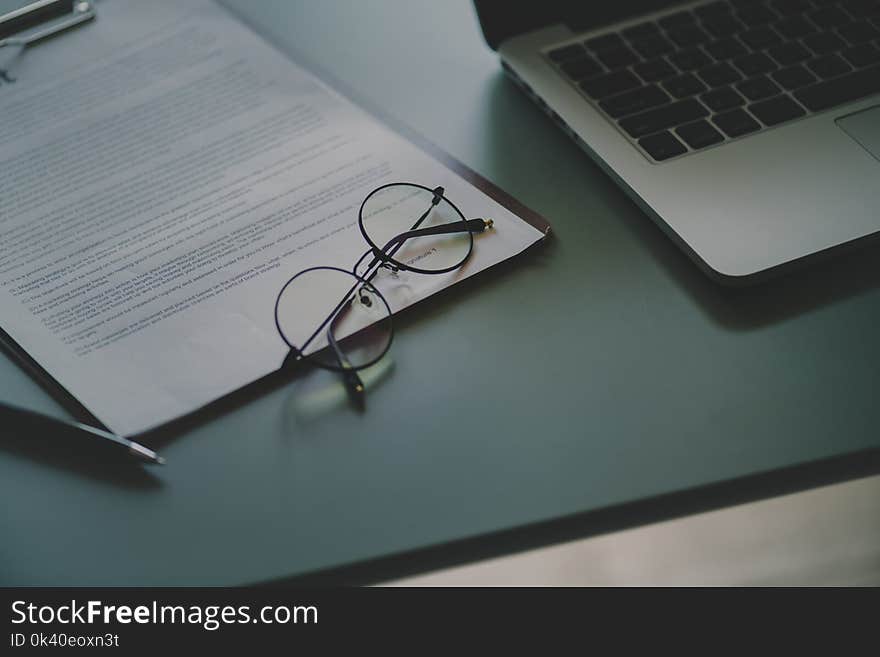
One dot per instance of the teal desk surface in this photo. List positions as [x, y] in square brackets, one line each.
[600, 381]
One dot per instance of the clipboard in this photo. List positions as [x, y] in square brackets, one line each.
[33, 31]
[40, 19]
[21, 27]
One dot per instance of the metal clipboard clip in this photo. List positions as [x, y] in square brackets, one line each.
[41, 19]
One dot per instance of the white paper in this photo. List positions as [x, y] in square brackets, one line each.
[163, 172]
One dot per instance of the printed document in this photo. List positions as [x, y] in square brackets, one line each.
[163, 172]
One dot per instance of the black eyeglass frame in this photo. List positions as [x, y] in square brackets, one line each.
[381, 252]
[382, 258]
[363, 283]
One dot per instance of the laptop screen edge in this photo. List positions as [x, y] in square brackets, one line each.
[502, 19]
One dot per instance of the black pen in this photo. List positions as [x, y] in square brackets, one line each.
[97, 438]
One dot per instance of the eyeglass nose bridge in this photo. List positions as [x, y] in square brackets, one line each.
[385, 259]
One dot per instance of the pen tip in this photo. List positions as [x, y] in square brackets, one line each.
[145, 454]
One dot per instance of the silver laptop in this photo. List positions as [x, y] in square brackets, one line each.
[749, 130]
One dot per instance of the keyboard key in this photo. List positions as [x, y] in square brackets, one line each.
[790, 7]
[663, 118]
[861, 8]
[653, 46]
[641, 30]
[759, 38]
[754, 64]
[699, 134]
[662, 146]
[582, 68]
[689, 60]
[684, 86]
[610, 84]
[856, 33]
[756, 15]
[723, 26]
[677, 20]
[718, 75]
[736, 123]
[828, 66]
[566, 52]
[655, 69]
[862, 55]
[777, 110]
[795, 27]
[841, 90]
[604, 42]
[713, 10]
[758, 88]
[617, 57]
[739, 5]
[637, 100]
[725, 49]
[828, 17]
[686, 36]
[789, 53]
[794, 77]
[721, 99]
[823, 43]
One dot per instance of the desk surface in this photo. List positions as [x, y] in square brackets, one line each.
[600, 371]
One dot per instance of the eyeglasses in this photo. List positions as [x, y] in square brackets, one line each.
[337, 319]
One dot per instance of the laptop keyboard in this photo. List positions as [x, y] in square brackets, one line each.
[727, 69]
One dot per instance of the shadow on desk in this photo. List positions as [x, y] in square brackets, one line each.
[116, 472]
[846, 272]
[594, 523]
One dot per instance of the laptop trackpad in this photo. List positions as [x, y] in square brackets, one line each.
[864, 127]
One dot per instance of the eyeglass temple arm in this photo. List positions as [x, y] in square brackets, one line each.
[469, 226]
[354, 386]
